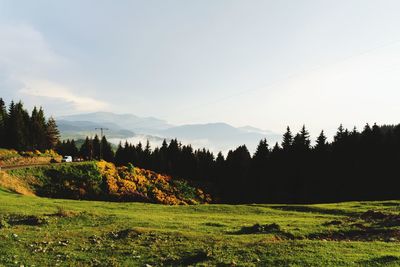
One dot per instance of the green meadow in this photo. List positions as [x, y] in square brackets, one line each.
[38, 231]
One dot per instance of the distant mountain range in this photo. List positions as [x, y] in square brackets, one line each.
[81, 129]
[126, 121]
[215, 136]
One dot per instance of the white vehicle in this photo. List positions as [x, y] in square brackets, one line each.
[66, 159]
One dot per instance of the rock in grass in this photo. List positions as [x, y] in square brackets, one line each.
[258, 228]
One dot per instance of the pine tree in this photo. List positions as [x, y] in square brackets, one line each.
[96, 147]
[52, 133]
[73, 149]
[86, 149]
[321, 144]
[119, 158]
[367, 136]
[276, 149]
[287, 139]
[301, 142]
[17, 127]
[340, 134]
[107, 152]
[305, 137]
[60, 148]
[219, 170]
[377, 136]
[3, 120]
[147, 162]
[220, 159]
[147, 148]
[38, 129]
[262, 151]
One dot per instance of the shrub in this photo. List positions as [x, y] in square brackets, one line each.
[78, 181]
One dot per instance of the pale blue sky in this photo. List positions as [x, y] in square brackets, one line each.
[263, 63]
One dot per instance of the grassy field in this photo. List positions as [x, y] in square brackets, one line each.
[50, 232]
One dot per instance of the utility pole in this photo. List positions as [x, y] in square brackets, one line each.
[91, 148]
[101, 138]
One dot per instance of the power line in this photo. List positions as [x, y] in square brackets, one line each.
[286, 78]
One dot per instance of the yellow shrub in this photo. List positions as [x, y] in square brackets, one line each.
[123, 183]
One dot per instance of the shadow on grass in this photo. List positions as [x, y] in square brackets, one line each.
[390, 204]
[367, 234]
[300, 208]
[273, 228]
[388, 260]
[16, 219]
[381, 219]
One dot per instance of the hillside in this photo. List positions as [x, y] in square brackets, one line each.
[101, 181]
[48, 232]
[10, 157]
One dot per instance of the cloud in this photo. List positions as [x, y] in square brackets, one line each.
[54, 91]
[24, 51]
[32, 71]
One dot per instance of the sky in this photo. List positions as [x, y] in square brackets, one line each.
[267, 64]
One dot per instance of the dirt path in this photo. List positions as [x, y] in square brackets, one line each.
[7, 168]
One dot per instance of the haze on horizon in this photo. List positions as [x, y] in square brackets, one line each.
[262, 63]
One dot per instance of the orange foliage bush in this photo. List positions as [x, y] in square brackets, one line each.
[130, 183]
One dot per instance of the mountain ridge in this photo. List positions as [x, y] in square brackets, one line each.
[218, 136]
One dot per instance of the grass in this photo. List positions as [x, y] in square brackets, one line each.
[10, 157]
[55, 232]
[61, 180]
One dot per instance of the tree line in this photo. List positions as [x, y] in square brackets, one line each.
[356, 165]
[90, 149]
[23, 131]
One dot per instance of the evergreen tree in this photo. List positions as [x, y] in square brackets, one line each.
[276, 149]
[376, 135]
[86, 150]
[262, 151]
[108, 153]
[67, 148]
[219, 167]
[305, 138]
[237, 169]
[301, 142]
[38, 129]
[74, 152]
[17, 127]
[340, 134]
[260, 170]
[287, 140]
[52, 133]
[119, 155]
[3, 119]
[96, 147]
[321, 143]
[147, 148]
